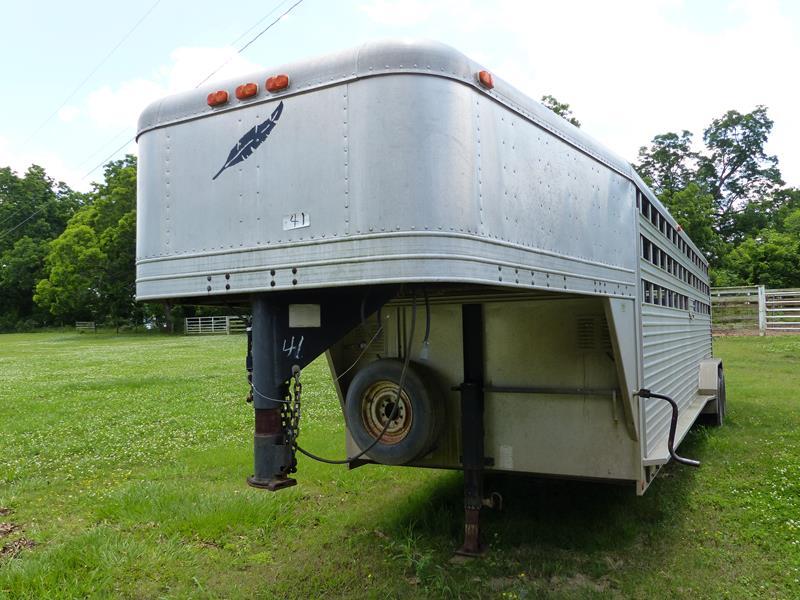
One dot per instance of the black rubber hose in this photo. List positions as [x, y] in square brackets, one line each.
[673, 425]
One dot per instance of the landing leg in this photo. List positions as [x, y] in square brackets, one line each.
[272, 455]
[472, 427]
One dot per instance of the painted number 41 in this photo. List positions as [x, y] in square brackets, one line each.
[296, 221]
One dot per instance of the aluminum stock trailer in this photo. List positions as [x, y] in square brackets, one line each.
[493, 289]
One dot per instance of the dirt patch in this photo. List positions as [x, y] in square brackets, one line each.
[7, 528]
[579, 582]
[498, 584]
[5, 511]
[11, 549]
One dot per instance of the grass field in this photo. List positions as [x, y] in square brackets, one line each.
[122, 474]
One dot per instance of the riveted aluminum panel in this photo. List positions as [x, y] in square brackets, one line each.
[674, 344]
[404, 169]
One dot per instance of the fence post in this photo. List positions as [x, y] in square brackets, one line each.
[227, 325]
[762, 310]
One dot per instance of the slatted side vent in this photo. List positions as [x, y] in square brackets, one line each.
[586, 333]
[593, 334]
[605, 335]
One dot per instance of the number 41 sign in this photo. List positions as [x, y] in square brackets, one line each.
[296, 221]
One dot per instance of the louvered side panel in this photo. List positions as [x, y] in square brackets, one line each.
[673, 346]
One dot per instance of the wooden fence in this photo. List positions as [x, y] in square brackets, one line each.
[755, 309]
[213, 325]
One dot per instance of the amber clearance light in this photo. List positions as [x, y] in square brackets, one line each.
[277, 83]
[217, 98]
[485, 79]
[246, 90]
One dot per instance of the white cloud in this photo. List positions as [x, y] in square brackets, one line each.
[633, 69]
[400, 13]
[192, 65]
[112, 108]
[54, 165]
[120, 105]
[69, 113]
[115, 109]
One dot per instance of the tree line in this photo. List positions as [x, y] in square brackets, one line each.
[67, 256]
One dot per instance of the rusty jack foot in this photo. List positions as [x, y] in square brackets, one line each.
[273, 485]
[472, 535]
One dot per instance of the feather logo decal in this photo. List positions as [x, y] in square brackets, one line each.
[251, 140]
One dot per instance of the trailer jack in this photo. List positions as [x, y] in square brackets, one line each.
[673, 425]
[472, 457]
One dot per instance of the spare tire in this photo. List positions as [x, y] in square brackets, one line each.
[370, 402]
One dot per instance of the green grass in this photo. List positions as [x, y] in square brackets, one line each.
[123, 458]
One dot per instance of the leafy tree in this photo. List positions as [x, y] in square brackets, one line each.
[693, 208]
[71, 290]
[90, 267]
[118, 244]
[33, 210]
[784, 203]
[735, 167]
[21, 266]
[770, 259]
[792, 223]
[668, 164]
[562, 109]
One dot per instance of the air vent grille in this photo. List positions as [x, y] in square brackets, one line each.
[593, 333]
[586, 333]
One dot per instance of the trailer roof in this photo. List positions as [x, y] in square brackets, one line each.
[386, 57]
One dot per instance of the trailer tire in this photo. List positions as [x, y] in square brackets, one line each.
[370, 401]
[714, 415]
[722, 408]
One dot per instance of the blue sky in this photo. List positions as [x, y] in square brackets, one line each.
[630, 69]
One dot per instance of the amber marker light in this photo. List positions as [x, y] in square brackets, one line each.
[486, 79]
[246, 90]
[217, 98]
[277, 83]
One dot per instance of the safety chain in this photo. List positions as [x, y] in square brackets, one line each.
[249, 361]
[290, 416]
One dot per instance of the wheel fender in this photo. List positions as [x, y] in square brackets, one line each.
[709, 369]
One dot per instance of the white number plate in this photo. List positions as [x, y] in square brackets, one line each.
[296, 221]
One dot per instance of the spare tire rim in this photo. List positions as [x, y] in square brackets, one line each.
[377, 404]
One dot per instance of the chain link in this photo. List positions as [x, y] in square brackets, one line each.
[290, 415]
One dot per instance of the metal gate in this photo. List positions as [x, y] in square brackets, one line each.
[782, 310]
[209, 325]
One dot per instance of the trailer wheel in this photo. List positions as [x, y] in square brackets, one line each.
[719, 417]
[716, 416]
[371, 400]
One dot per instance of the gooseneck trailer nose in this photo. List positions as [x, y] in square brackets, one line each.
[493, 289]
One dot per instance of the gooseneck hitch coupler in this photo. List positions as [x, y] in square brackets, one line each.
[673, 425]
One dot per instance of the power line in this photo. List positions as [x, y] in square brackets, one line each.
[129, 140]
[115, 137]
[21, 223]
[243, 48]
[215, 71]
[8, 217]
[257, 23]
[91, 73]
[107, 158]
[103, 147]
